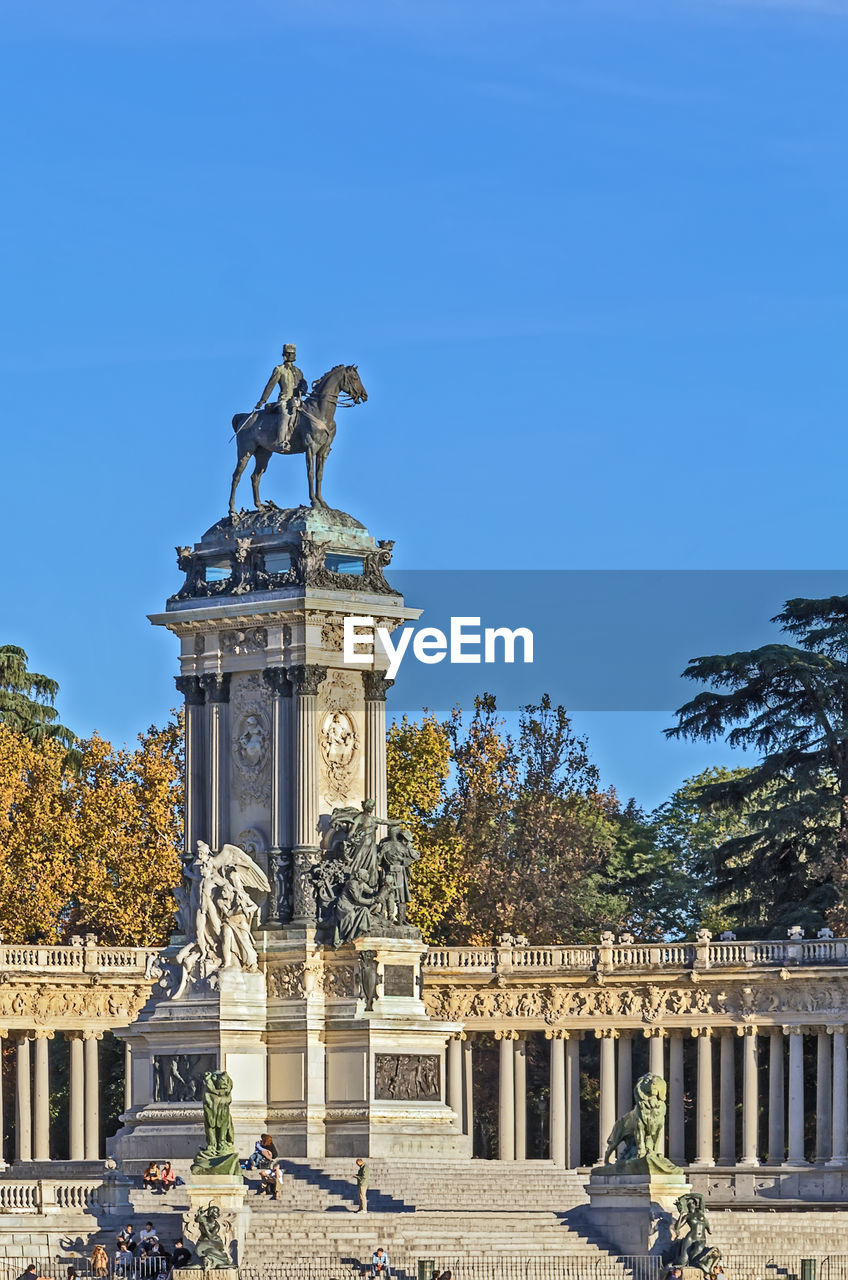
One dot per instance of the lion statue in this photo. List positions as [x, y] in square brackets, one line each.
[639, 1132]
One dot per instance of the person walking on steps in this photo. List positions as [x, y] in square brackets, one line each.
[362, 1185]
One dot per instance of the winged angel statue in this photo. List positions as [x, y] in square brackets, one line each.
[215, 913]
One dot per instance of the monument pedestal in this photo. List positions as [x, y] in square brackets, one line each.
[634, 1212]
[172, 1044]
[229, 1194]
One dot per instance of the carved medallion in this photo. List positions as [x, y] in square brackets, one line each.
[251, 740]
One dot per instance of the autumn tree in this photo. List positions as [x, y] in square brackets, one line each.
[91, 849]
[418, 766]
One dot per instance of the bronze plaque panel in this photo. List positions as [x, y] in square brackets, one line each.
[399, 980]
[407, 1077]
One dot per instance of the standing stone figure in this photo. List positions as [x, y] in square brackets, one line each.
[219, 1155]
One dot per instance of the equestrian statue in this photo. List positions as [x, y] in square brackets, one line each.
[298, 421]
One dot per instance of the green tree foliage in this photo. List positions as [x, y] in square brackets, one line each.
[27, 698]
[517, 836]
[788, 703]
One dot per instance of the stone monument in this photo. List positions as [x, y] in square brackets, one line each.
[293, 968]
[632, 1199]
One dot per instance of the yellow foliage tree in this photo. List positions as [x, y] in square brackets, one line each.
[418, 763]
[36, 868]
[93, 850]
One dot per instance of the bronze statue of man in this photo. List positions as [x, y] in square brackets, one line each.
[291, 386]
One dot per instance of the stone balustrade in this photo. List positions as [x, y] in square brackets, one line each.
[49, 1195]
[621, 957]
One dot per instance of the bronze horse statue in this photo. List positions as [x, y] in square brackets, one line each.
[312, 433]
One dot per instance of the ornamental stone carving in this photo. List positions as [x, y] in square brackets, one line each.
[249, 640]
[406, 1077]
[251, 741]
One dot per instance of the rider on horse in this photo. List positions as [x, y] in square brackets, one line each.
[292, 385]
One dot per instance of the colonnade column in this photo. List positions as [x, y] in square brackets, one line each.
[750, 1096]
[41, 1099]
[520, 1081]
[3, 1034]
[468, 1063]
[557, 1094]
[572, 1098]
[656, 1065]
[216, 686]
[194, 823]
[280, 907]
[727, 1100]
[606, 1108]
[625, 1074]
[506, 1097]
[77, 1096]
[824, 1098]
[676, 1132]
[92, 1095]
[839, 1108]
[376, 685]
[705, 1096]
[23, 1101]
[796, 1095]
[455, 1076]
[776, 1125]
[306, 680]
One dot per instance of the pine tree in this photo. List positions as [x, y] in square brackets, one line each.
[27, 698]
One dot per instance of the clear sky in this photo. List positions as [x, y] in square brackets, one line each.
[589, 256]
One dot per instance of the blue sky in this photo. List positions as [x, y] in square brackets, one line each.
[589, 256]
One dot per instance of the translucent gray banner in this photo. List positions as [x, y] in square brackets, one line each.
[603, 640]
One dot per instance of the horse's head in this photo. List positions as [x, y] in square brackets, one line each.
[352, 384]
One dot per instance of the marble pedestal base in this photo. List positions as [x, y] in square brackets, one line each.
[634, 1212]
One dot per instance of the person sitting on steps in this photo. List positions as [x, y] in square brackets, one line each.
[167, 1178]
[150, 1177]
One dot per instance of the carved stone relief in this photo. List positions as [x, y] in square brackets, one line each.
[338, 736]
[178, 1077]
[406, 1077]
[251, 741]
[249, 640]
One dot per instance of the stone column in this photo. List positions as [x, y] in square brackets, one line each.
[3, 1035]
[776, 1135]
[520, 1077]
[280, 907]
[77, 1096]
[23, 1101]
[41, 1097]
[195, 825]
[127, 1075]
[624, 1094]
[455, 1076]
[656, 1063]
[572, 1099]
[557, 1099]
[216, 686]
[606, 1108]
[824, 1098]
[676, 1132]
[750, 1097]
[506, 1098]
[92, 1095]
[839, 1108]
[376, 686]
[468, 1064]
[727, 1100]
[705, 1096]
[796, 1095]
[305, 680]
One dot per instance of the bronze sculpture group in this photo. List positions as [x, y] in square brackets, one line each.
[298, 421]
